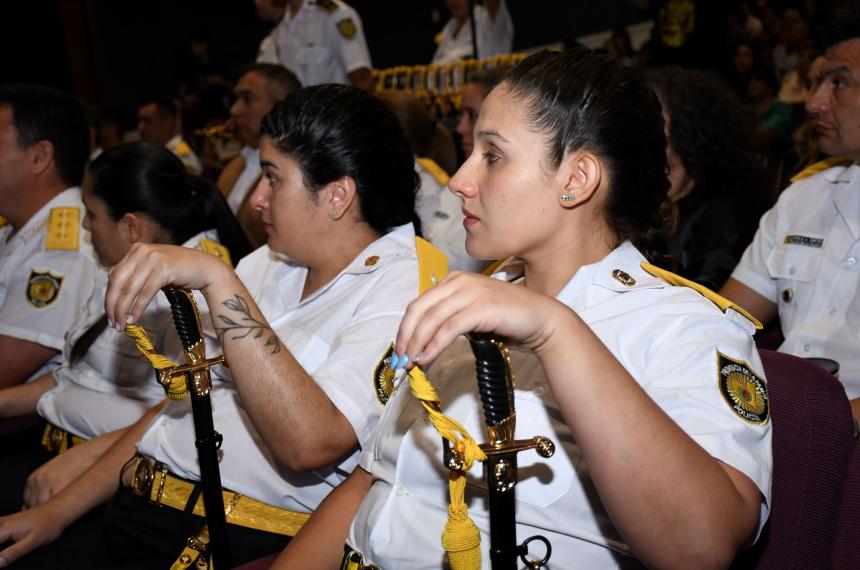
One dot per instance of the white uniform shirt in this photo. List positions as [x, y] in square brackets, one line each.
[806, 257]
[337, 335]
[322, 43]
[245, 183]
[112, 385]
[181, 149]
[26, 265]
[667, 337]
[495, 36]
[441, 214]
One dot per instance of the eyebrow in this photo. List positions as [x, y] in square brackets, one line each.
[834, 71]
[490, 133]
[268, 164]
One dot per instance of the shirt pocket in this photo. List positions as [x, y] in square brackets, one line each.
[795, 269]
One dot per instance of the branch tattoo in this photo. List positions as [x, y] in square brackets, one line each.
[245, 325]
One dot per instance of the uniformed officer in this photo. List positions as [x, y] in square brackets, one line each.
[652, 393]
[47, 268]
[260, 86]
[803, 263]
[303, 322]
[321, 41]
[157, 123]
[492, 22]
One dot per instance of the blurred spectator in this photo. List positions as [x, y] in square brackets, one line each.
[493, 25]
[689, 33]
[158, 123]
[475, 91]
[619, 46]
[793, 32]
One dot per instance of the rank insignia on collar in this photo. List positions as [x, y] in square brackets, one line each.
[346, 27]
[383, 376]
[743, 390]
[43, 288]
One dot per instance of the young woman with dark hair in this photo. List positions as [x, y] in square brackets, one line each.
[134, 193]
[302, 322]
[637, 381]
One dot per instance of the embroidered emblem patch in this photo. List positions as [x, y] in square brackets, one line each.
[743, 390]
[346, 27]
[804, 240]
[43, 288]
[383, 376]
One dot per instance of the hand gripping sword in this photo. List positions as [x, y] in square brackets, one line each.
[199, 384]
[495, 384]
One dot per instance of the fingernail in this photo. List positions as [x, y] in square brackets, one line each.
[110, 324]
[418, 357]
[3, 562]
[129, 318]
[404, 360]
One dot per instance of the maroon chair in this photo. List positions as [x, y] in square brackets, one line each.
[812, 445]
[846, 555]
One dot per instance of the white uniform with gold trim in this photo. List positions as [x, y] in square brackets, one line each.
[112, 385]
[245, 183]
[47, 272]
[323, 43]
[185, 153]
[806, 257]
[684, 352]
[338, 335]
[495, 36]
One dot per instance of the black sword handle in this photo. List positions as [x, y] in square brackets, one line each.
[207, 440]
[497, 396]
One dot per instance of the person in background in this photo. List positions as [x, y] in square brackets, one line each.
[802, 264]
[475, 91]
[158, 123]
[47, 265]
[260, 86]
[321, 41]
[493, 25]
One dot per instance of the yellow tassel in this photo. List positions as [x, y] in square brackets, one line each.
[178, 388]
[461, 538]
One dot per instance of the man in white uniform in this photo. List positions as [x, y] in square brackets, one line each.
[492, 23]
[157, 123]
[47, 267]
[321, 41]
[803, 262]
[260, 86]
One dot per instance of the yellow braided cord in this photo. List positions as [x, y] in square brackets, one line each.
[178, 388]
[461, 539]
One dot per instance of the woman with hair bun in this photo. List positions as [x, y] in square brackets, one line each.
[635, 379]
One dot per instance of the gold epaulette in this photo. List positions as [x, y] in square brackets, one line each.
[326, 6]
[432, 264]
[183, 149]
[3, 222]
[217, 250]
[819, 166]
[717, 299]
[63, 229]
[439, 175]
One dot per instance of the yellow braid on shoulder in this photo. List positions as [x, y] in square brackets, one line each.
[177, 388]
[461, 538]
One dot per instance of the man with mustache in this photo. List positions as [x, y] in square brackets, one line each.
[804, 262]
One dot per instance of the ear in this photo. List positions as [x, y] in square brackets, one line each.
[135, 228]
[339, 196]
[42, 157]
[581, 174]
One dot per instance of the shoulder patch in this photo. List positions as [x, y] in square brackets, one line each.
[327, 6]
[819, 166]
[347, 28]
[743, 390]
[43, 288]
[217, 250]
[439, 175]
[717, 299]
[383, 376]
[64, 227]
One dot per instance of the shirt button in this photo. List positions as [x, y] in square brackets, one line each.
[832, 312]
[540, 390]
[851, 260]
[805, 348]
[791, 271]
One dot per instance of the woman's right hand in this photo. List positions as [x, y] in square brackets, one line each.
[29, 530]
[147, 268]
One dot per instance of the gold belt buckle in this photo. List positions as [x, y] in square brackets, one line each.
[55, 439]
[141, 481]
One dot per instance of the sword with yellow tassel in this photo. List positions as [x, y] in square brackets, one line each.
[193, 378]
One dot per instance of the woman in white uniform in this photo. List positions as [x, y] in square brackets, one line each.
[133, 193]
[652, 394]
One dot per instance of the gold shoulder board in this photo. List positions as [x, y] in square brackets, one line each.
[217, 250]
[183, 149]
[63, 229]
[439, 175]
[3, 222]
[432, 264]
[819, 166]
[718, 300]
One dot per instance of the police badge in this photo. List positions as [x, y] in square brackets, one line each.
[743, 390]
[43, 288]
[383, 376]
[346, 27]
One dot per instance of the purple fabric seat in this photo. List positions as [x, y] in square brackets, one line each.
[846, 555]
[18, 423]
[812, 444]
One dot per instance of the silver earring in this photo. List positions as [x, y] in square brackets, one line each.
[334, 214]
[566, 197]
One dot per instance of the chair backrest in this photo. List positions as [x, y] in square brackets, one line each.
[846, 554]
[812, 444]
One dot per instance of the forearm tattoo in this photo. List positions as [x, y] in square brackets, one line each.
[242, 324]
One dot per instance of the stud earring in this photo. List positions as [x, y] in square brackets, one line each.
[334, 214]
[566, 197]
